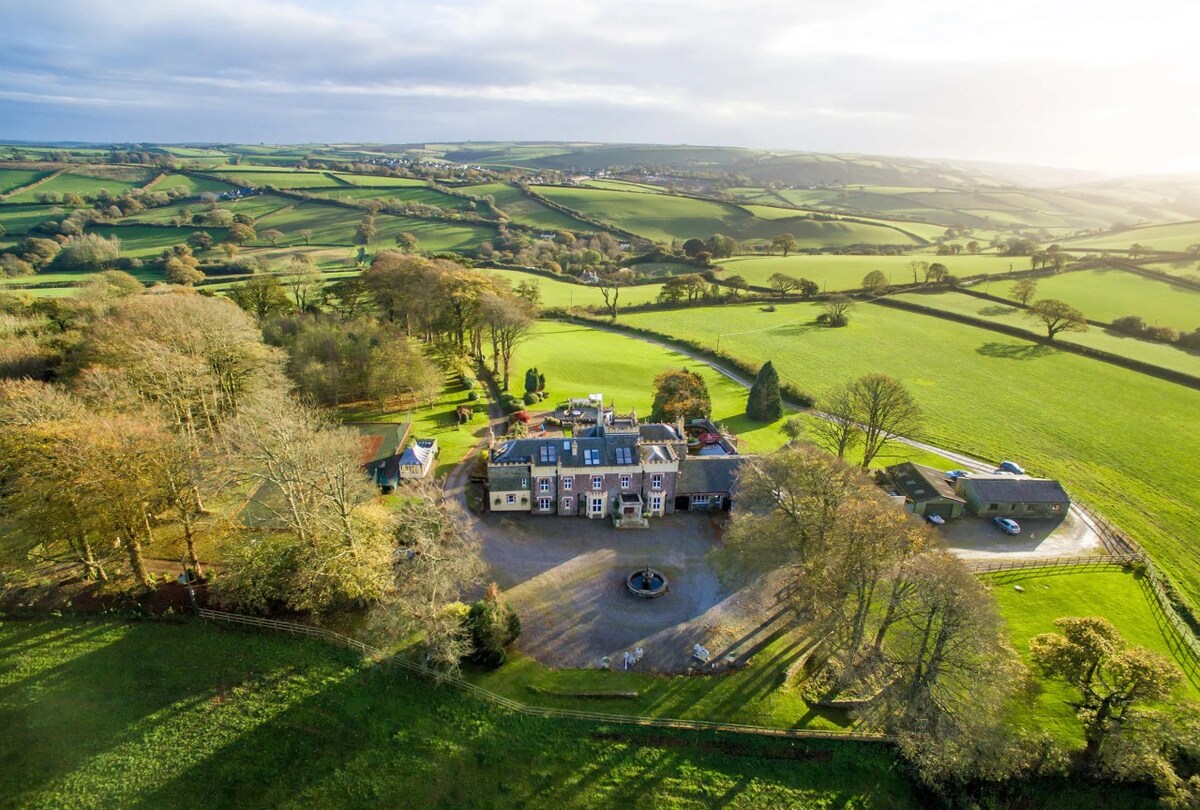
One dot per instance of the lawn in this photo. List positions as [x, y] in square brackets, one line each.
[102, 714]
[664, 217]
[1116, 595]
[1105, 295]
[578, 360]
[1113, 436]
[1158, 354]
[437, 422]
[847, 272]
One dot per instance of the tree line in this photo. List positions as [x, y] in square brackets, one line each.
[162, 424]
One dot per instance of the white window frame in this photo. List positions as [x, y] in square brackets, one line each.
[625, 481]
[700, 500]
[568, 483]
[597, 482]
[566, 504]
[543, 504]
[656, 503]
[524, 483]
[656, 481]
[511, 499]
[596, 506]
[544, 485]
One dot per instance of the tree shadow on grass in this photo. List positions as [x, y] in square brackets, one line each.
[997, 310]
[794, 329]
[1015, 351]
[104, 687]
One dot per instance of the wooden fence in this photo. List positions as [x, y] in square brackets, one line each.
[523, 708]
[1178, 633]
[997, 566]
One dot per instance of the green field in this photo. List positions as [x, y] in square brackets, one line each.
[1116, 595]
[254, 207]
[564, 294]
[416, 194]
[334, 225]
[378, 181]
[15, 178]
[1186, 269]
[1105, 295]
[921, 229]
[292, 178]
[624, 185]
[525, 210]
[1178, 236]
[1158, 354]
[665, 217]
[194, 185]
[17, 219]
[115, 180]
[142, 241]
[847, 272]
[985, 209]
[1096, 426]
[102, 714]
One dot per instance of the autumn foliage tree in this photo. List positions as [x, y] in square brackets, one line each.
[681, 394]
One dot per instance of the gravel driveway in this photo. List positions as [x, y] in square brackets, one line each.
[565, 576]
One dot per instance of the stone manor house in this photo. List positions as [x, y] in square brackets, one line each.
[616, 468]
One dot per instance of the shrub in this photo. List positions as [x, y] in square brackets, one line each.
[473, 396]
[492, 625]
[521, 416]
[529, 398]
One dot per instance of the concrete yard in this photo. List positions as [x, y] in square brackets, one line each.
[975, 538]
[565, 576]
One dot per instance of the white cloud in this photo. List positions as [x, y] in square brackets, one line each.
[1071, 83]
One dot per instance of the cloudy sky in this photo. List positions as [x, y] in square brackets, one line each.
[1113, 86]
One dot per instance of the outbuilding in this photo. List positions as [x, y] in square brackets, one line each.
[1014, 496]
[926, 491]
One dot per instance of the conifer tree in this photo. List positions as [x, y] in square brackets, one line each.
[765, 403]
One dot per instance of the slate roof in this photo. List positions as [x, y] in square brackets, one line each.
[507, 479]
[920, 483]
[657, 432]
[657, 453]
[612, 450]
[1013, 489]
[708, 474]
